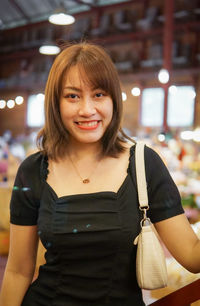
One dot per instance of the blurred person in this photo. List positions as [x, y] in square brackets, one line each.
[78, 195]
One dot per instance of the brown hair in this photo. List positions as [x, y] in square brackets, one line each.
[101, 73]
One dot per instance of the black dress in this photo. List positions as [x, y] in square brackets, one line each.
[90, 257]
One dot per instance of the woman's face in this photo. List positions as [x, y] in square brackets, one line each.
[86, 112]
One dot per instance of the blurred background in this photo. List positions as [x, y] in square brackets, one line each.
[155, 46]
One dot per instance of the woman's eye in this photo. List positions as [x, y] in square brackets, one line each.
[72, 96]
[99, 94]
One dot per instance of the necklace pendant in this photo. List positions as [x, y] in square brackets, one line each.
[86, 181]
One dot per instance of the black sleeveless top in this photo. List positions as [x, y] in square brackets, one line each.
[90, 256]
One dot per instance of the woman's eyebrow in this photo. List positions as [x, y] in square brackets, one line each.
[72, 88]
[97, 88]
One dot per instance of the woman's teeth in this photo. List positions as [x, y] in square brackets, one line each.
[93, 123]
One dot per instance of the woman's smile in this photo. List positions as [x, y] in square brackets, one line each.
[88, 125]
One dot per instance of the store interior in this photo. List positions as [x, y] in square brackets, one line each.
[156, 49]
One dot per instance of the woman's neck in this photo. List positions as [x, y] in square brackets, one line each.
[82, 150]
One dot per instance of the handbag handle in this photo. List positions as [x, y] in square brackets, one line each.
[141, 178]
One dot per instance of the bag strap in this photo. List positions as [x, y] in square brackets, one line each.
[141, 178]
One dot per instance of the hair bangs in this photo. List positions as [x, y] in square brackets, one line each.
[96, 75]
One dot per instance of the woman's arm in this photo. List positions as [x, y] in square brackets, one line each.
[21, 264]
[181, 241]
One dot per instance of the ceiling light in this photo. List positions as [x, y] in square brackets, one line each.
[49, 49]
[173, 89]
[2, 104]
[163, 76]
[124, 96]
[61, 18]
[19, 100]
[135, 91]
[10, 103]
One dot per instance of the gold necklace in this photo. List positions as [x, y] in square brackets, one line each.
[84, 180]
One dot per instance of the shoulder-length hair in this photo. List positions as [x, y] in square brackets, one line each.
[101, 73]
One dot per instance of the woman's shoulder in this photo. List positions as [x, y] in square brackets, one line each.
[149, 151]
[32, 162]
[153, 159]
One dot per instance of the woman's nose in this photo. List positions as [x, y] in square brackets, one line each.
[87, 108]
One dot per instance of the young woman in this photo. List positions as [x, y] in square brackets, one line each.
[78, 195]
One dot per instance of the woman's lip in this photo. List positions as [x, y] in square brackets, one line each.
[88, 125]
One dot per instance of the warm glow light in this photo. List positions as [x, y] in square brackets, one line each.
[173, 89]
[10, 103]
[2, 104]
[163, 76]
[49, 49]
[124, 96]
[186, 135]
[19, 100]
[135, 91]
[161, 137]
[61, 19]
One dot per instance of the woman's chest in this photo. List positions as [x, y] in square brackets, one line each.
[108, 175]
[104, 218]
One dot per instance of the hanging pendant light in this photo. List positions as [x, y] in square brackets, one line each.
[60, 16]
[61, 19]
[49, 49]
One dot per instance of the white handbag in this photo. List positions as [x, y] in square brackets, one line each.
[151, 270]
